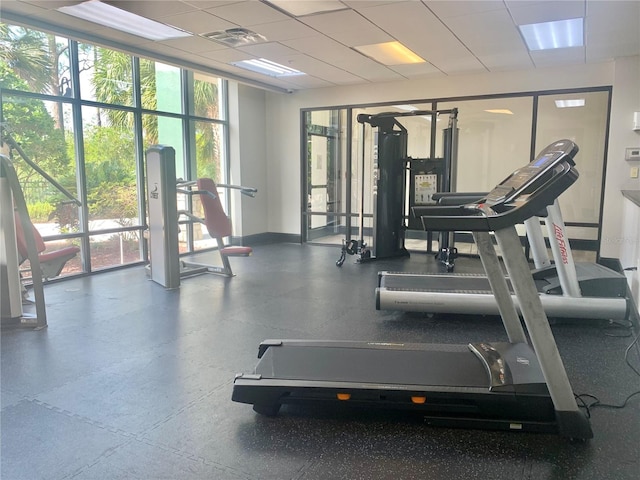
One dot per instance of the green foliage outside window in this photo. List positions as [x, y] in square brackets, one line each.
[33, 61]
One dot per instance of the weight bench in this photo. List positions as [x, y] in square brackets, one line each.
[218, 225]
[51, 263]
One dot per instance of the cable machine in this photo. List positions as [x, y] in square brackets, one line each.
[389, 189]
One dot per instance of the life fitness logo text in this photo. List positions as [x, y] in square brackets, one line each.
[561, 243]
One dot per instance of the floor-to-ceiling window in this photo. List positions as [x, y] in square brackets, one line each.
[85, 115]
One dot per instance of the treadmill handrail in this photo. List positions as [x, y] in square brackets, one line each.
[481, 217]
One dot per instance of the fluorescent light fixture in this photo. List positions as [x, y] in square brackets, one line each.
[550, 35]
[578, 102]
[267, 67]
[390, 53]
[504, 111]
[118, 19]
[299, 8]
[406, 108]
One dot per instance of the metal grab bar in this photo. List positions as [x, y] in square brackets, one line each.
[248, 191]
[6, 136]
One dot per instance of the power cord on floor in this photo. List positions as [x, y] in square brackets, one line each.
[589, 402]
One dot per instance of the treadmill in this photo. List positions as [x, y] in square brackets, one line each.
[499, 385]
[567, 289]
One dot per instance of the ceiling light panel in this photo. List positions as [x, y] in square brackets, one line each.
[390, 53]
[118, 19]
[267, 67]
[413, 24]
[577, 102]
[299, 8]
[552, 35]
[503, 111]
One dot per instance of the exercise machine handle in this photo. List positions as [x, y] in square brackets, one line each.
[522, 195]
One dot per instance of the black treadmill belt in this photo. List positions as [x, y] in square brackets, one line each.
[454, 367]
[436, 283]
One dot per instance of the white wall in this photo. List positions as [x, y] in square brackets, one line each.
[621, 225]
[625, 100]
[283, 117]
[248, 158]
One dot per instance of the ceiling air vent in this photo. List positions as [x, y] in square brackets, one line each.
[235, 37]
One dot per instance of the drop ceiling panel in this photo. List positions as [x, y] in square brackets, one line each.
[377, 73]
[419, 29]
[525, 13]
[270, 50]
[248, 13]
[198, 22]
[306, 81]
[333, 22]
[318, 45]
[354, 38]
[322, 70]
[331, 52]
[448, 9]
[612, 32]
[415, 69]
[457, 66]
[347, 27]
[283, 30]
[488, 32]
[155, 48]
[506, 61]
[227, 55]
[349, 59]
[558, 56]
[193, 44]
[204, 4]
[455, 37]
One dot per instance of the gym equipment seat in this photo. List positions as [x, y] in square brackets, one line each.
[51, 263]
[218, 225]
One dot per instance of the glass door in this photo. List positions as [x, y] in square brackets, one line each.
[325, 188]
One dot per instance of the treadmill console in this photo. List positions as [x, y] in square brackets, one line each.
[526, 177]
[523, 194]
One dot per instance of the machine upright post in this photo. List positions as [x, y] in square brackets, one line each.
[11, 294]
[571, 421]
[163, 216]
[565, 265]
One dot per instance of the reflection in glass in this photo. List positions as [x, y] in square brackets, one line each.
[494, 139]
[160, 87]
[326, 189]
[38, 62]
[105, 75]
[586, 126]
[209, 152]
[207, 94]
[113, 249]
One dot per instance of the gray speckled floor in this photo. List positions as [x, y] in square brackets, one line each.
[134, 382]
